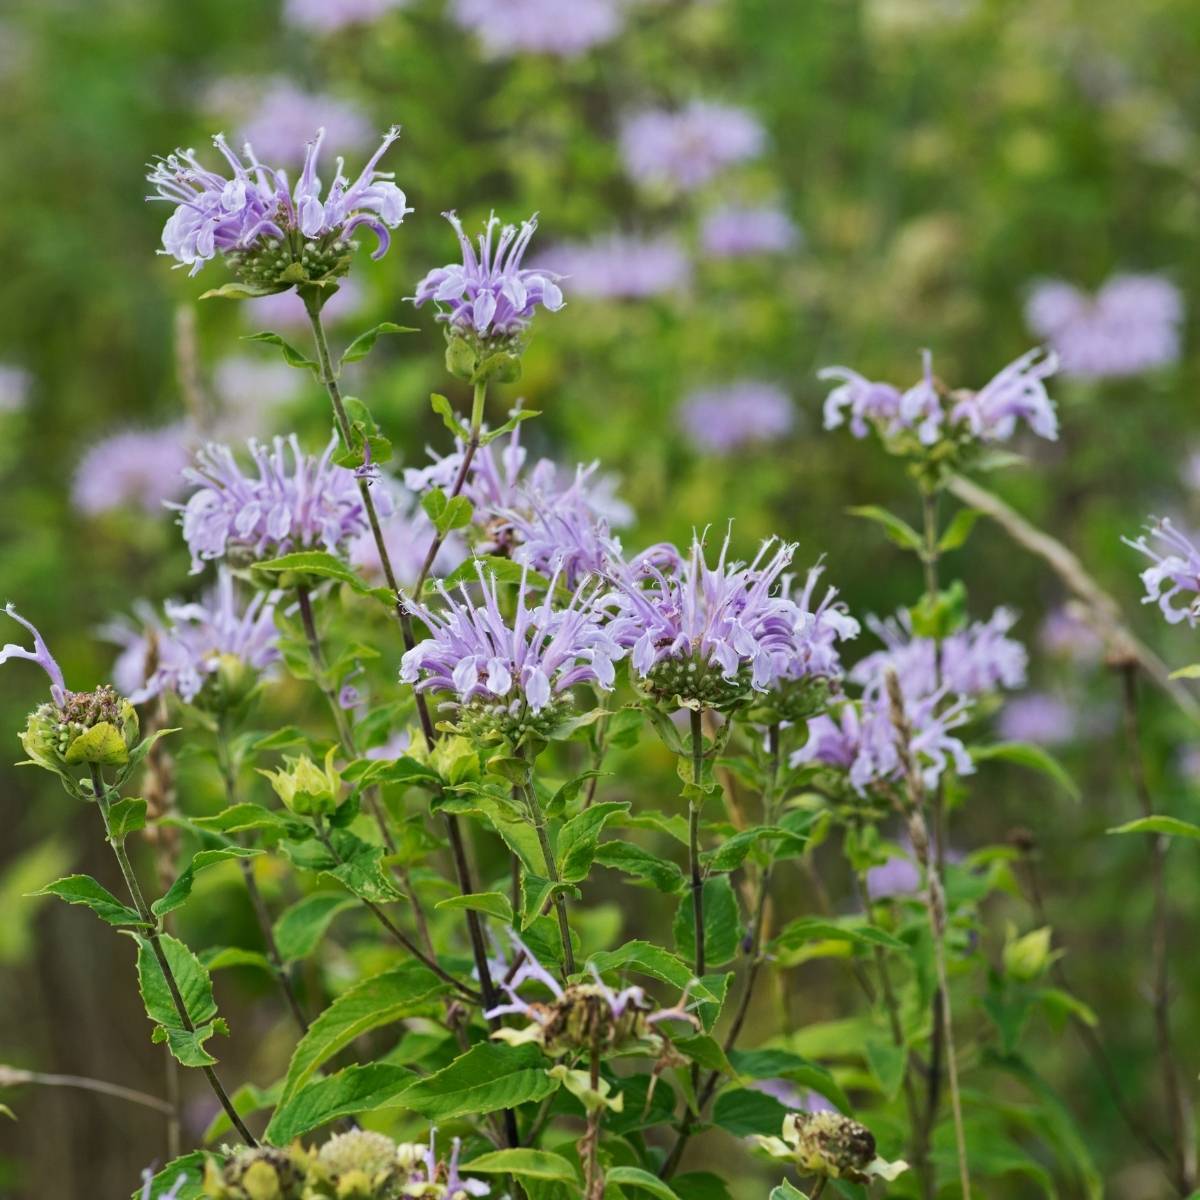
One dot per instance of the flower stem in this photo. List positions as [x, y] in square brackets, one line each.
[1178, 1114]
[538, 820]
[589, 1147]
[912, 806]
[100, 791]
[694, 839]
[262, 915]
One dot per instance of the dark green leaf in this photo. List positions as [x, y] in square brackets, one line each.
[300, 928]
[1026, 755]
[127, 816]
[488, 1077]
[365, 342]
[83, 889]
[291, 355]
[578, 838]
[722, 923]
[744, 1111]
[898, 531]
[181, 889]
[358, 1089]
[662, 874]
[195, 990]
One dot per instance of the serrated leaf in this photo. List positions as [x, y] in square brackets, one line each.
[745, 1111]
[455, 515]
[1026, 755]
[722, 923]
[528, 1164]
[495, 904]
[126, 816]
[645, 958]
[326, 566]
[733, 851]
[300, 928]
[190, 1166]
[856, 930]
[635, 1177]
[783, 1064]
[660, 873]
[784, 1190]
[291, 355]
[365, 342]
[1170, 826]
[706, 1051]
[181, 889]
[898, 531]
[83, 889]
[195, 990]
[239, 818]
[577, 840]
[358, 1089]
[486, 1078]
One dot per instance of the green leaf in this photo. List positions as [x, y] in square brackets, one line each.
[246, 1100]
[127, 816]
[959, 529]
[700, 1185]
[488, 1077]
[326, 566]
[722, 923]
[365, 342]
[1189, 672]
[1026, 755]
[190, 1166]
[515, 418]
[195, 989]
[733, 851]
[706, 1051]
[443, 408]
[1170, 826]
[495, 904]
[578, 838]
[744, 1111]
[291, 355]
[528, 1164]
[856, 930]
[783, 1064]
[181, 889]
[888, 1063]
[241, 291]
[649, 959]
[299, 929]
[219, 958]
[380, 1000]
[660, 873]
[503, 569]
[357, 1089]
[83, 889]
[898, 531]
[785, 1191]
[455, 515]
[635, 1177]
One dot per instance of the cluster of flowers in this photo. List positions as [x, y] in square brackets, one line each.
[357, 1165]
[931, 413]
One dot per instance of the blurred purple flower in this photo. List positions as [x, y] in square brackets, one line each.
[620, 266]
[491, 295]
[285, 310]
[1017, 393]
[15, 385]
[277, 117]
[727, 616]
[1176, 571]
[396, 745]
[1065, 634]
[328, 16]
[137, 468]
[818, 632]
[720, 420]
[302, 505]
[407, 535]
[194, 641]
[1040, 718]
[899, 876]
[507, 27]
[1131, 325]
[1188, 763]
[255, 205]
[684, 149]
[736, 232]
[477, 653]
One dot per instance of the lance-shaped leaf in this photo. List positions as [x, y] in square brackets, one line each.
[358, 1089]
[83, 889]
[299, 929]
[195, 990]
[488, 1077]
[181, 889]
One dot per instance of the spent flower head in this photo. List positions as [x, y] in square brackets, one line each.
[830, 1145]
[296, 501]
[513, 676]
[274, 235]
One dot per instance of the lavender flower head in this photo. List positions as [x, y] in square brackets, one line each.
[136, 468]
[40, 654]
[277, 118]
[1017, 394]
[513, 676]
[15, 385]
[721, 420]
[899, 876]
[819, 630]
[507, 27]
[973, 661]
[1065, 634]
[213, 637]
[738, 232]
[621, 266]
[297, 505]
[274, 236]
[1131, 325]
[683, 150]
[1039, 718]
[1175, 573]
[328, 16]
[707, 636]
[490, 295]
[429, 1178]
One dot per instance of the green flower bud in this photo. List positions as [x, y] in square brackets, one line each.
[99, 728]
[477, 359]
[358, 1165]
[306, 789]
[263, 1173]
[1027, 957]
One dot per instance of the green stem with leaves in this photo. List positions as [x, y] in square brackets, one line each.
[100, 791]
[538, 820]
[694, 807]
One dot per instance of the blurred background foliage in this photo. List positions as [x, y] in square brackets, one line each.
[937, 156]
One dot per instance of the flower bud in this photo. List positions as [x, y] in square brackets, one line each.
[476, 359]
[99, 728]
[306, 789]
[263, 1173]
[1026, 957]
[358, 1165]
